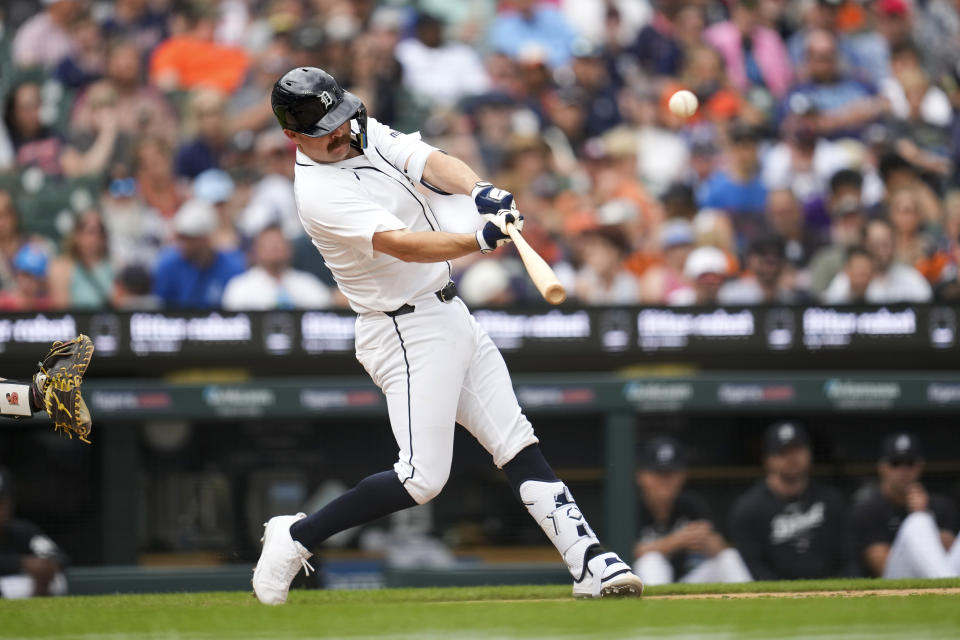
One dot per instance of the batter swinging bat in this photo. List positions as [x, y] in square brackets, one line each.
[540, 272]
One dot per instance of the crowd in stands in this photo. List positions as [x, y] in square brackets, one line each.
[141, 166]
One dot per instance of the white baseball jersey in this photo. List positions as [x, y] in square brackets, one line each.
[435, 364]
[343, 204]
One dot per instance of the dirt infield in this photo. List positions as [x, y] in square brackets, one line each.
[846, 593]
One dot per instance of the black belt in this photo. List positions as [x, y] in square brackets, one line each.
[448, 293]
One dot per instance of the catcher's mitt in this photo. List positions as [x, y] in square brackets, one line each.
[57, 386]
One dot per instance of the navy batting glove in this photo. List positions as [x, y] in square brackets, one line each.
[494, 233]
[490, 200]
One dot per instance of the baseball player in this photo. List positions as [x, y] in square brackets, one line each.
[787, 526]
[678, 541]
[355, 188]
[899, 530]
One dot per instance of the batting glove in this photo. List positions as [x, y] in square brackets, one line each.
[491, 200]
[494, 233]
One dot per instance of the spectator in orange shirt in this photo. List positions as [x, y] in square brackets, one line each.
[193, 59]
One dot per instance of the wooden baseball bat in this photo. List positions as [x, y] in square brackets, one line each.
[540, 272]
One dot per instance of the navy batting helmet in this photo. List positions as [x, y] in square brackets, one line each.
[309, 100]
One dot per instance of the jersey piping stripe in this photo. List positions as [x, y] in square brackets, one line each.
[422, 208]
[409, 421]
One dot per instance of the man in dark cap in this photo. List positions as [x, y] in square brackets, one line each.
[678, 541]
[900, 530]
[786, 526]
[30, 562]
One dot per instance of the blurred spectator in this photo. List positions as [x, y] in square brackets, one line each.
[738, 189]
[532, 23]
[678, 540]
[486, 283]
[248, 107]
[437, 70]
[566, 110]
[193, 275]
[920, 141]
[766, 280]
[216, 187]
[858, 272]
[30, 291]
[82, 278]
[656, 46]
[937, 30]
[156, 183]
[933, 105]
[137, 21]
[31, 564]
[661, 281]
[132, 290]
[193, 59]
[96, 145]
[704, 74]
[206, 126]
[787, 526]
[44, 40]
[899, 529]
[139, 108]
[846, 105]
[846, 228]
[87, 61]
[826, 15]
[136, 231]
[912, 244]
[892, 281]
[590, 74]
[785, 219]
[707, 269]
[663, 156]
[803, 161]
[754, 55]
[270, 283]
[271, 200]
[602, 277]
[34, 143]
[11, 239]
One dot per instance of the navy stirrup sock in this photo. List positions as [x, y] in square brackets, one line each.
[529, 464]
[374, 497]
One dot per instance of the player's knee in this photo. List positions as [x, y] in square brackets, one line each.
[429, 486]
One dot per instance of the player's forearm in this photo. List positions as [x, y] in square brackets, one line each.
[449, 174]
[425, 246]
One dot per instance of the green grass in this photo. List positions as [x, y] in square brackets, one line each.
[476, 613]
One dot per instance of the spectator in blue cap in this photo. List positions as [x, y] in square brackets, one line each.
[30, 275]
[193, 274]
[216, 187]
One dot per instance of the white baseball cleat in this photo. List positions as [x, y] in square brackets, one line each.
[280, 561]
[605, 576]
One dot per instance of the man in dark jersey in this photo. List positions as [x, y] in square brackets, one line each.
[678, 541]
[786, 526]
[30, 562]
[899, 530]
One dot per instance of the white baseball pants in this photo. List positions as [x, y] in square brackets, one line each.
[727, 566]
[917, 552]
[438, 367]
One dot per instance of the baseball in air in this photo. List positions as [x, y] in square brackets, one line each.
[683, 103]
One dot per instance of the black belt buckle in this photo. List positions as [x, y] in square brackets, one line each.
[448, 293]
